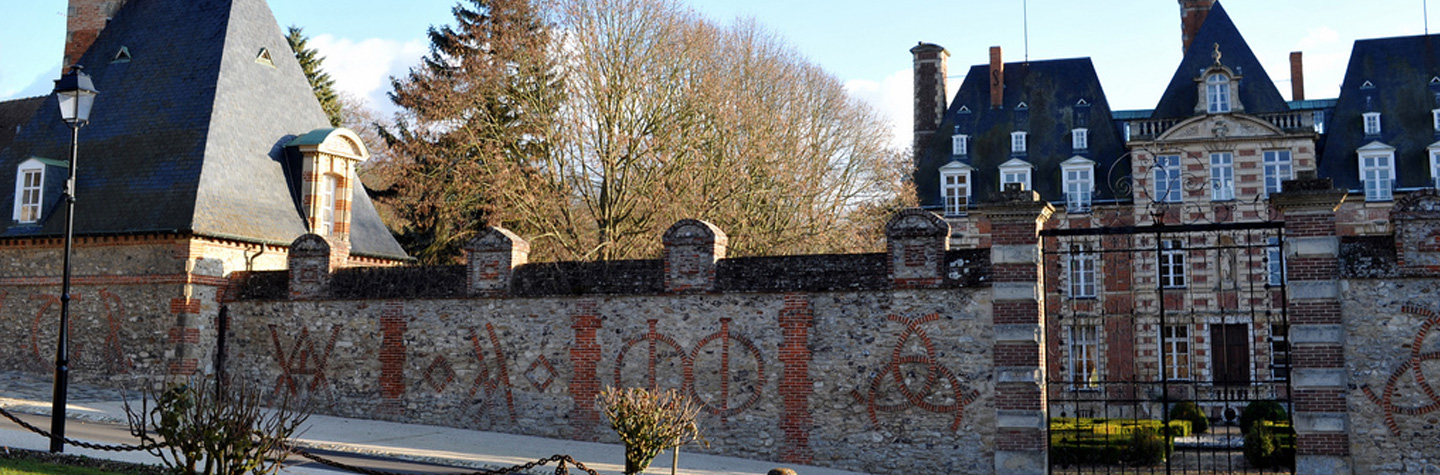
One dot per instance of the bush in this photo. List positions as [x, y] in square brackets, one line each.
[215, 432]
[1261, 411]
[1147, 447]
[649, 422]
[1188, 411]
[1084, 441]
[1260, 446]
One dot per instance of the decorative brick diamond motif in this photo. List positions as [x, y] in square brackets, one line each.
[540, 373]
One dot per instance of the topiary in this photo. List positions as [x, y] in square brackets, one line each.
[1147, 447]
[1188, 411]
[1260, 446]
[1261, 411]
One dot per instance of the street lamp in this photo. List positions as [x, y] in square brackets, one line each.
[76, 96]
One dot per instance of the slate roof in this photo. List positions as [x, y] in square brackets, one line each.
[187, 135]
[1256, 91]
[1401, 71]
[14, 114]
[1051, 91]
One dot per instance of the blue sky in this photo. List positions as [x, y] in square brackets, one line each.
[1135, 44]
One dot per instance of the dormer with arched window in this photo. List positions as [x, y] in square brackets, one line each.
[1219, 89]
[328, 160]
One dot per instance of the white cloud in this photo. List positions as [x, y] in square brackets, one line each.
[893, 98]
[364, 67]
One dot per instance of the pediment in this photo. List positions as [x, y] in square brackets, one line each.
[1221, 126]
[956, 166]
[1377, 146]
[1076, 162]
[1016, 163]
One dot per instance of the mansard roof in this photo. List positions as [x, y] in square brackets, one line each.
[14, 114]
[1058, 96]
[1256, 91]
[187, 135]
[1403, 87]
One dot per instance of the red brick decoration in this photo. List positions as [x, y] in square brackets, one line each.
[914, 397]
[795, 385]
[1413, 366]
[719, 405]
[584, 357]
[493, 385]
[113, 354]
[41, 360]
[302, 361]
[393, 325]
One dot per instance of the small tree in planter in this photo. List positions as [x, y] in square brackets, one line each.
[649, 422]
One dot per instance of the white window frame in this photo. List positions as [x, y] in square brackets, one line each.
[1319, 118]
[1016, 171]
[1435, 119]
[29, 196]
[1275, 262]
[1175, 356]
[1168, 188]
[329, 188]
[1372, 123]
[1017, 142]
[1080, 139]
[1278, 168]
[1222, 176]
[959, 144]
[1217, 93]
[1280, 343]
[1082, 271]
[955, 189]
[1377, 172]
[1170, 265]
[1084, 367]
[1434, 164]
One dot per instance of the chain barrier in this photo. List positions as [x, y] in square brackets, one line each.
[79, 443]
[559, 469]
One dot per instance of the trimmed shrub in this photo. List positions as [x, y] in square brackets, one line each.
[1147, 447]
[1188, 411]
[1261, 411]
[1260, 446]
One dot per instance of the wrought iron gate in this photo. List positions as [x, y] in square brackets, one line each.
[1144, 323]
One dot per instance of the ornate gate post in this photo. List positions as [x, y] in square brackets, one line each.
[1018, 318]
[1318, 379]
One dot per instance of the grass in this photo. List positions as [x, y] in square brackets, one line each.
[26, 462]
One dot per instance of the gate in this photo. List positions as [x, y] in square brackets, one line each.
[1155, 332]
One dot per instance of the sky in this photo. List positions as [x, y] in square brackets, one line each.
[1135, 44]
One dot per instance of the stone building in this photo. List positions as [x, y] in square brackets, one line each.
[206, 153]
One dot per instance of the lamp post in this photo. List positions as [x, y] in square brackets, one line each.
[76, 95]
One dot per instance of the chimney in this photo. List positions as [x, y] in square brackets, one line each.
[1192, 15]
[1297, 77]
[930, 102]
[997, 79]
[86, 19]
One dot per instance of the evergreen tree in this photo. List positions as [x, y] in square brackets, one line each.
[320, 81]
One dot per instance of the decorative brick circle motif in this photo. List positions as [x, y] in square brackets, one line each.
[1412, 365]
[721, 407]
[915, 397]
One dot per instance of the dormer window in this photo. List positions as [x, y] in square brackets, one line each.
[29, 187]
[1079, 183]
[955, 188]
[1217, 93]
[960, 144]
[1377, 171]
[1016, 171]
[1372, 123]
[1435, 165]
[1435, 119]
[1080, 139]
[1017, 142]
[329, 184]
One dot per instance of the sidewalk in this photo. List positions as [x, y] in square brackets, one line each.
[30, 393]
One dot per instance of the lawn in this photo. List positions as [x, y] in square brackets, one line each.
[25, 462]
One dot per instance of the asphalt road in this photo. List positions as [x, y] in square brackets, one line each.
[108, 433]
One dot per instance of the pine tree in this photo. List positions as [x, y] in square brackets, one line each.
[320, 81]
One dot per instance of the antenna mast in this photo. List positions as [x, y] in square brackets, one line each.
[1025, 22]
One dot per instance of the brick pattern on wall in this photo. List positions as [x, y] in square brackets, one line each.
[392, 359]
[584, 358]
[795, 384]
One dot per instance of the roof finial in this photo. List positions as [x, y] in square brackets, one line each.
[1216, 54]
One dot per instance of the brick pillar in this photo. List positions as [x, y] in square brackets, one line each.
[930, 63]
[1317, 334]
[692, 250]
[85, 19]
[393, 325]
[310, 267]
[796, 319]
[585, 357]
[491, 259]
[1018, 352]
[916, 241]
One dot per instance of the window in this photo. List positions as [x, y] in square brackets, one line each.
[1435, 168]
[1372, 123]
[1172, 265]
[1167, 178]
[1275, 261]
[1277, 170]
[1015, 171]
[1080, 139]
[1175, 346]
[1217, 93]
[29, 187]
[1319, 119]
[1378, 175]
[955, 188]
[1017, 142]
[960, 144]
[1078, 187]
[1279, 352]
[1084, 357]
[325, 226]
[1435, 119]
[1082, 272]
[1222, 176]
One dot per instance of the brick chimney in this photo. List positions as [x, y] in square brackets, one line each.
[997, 78]
[1297, 77]
[930, 102]
[1192, 15]
[86, 19]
